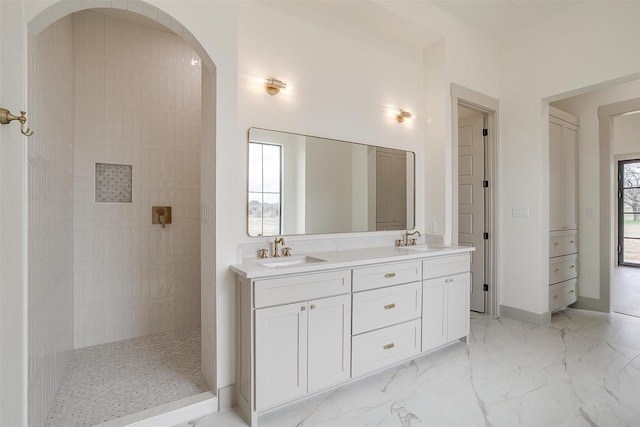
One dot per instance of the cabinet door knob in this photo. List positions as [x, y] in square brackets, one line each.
[312, 307]
[303, 308]
[572, 242]
[555, 297]
[390, 306]
[572, 266]
[556, 244]
[555, 270]
[389, 346]
[571, 291]
[389, 275]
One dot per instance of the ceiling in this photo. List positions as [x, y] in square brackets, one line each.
[503, 18]
[498, 18]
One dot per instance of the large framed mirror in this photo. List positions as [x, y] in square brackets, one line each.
[300, 184]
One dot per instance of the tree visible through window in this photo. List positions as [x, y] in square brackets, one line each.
[265, 195]
[629, 211]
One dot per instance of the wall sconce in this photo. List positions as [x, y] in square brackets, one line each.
[403, 115]
[273, 86]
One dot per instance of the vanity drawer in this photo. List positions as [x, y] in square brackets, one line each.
[387, 306]
[562, 294]
[381, 348]
[445, 265]
[563, 268]
[386, 275]
[563, 243]
[304, 287]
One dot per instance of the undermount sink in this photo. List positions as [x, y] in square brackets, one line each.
[420, 248]
[293, 261]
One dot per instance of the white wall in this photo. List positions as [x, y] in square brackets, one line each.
[137, 102]
[626, 133]
[50, 204]
[13, 221]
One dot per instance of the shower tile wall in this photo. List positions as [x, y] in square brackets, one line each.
[50, 296]
[137, 102]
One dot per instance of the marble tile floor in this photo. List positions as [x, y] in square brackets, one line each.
[626, 290]
[582, 370]
[109, 381]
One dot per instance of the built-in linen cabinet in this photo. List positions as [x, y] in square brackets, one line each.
[302, 333]
[563, 208]
[445, 300]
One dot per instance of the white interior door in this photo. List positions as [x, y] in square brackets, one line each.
[471, 203]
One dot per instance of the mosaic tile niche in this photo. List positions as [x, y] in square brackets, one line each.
[113, 183]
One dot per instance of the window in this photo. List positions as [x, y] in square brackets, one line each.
[629, 212]
[265, 194]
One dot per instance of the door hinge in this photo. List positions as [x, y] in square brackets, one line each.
[485, 235]
[485, 184]
[485, 132]
[485, 287]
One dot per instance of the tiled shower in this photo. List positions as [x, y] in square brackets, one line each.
[109, 96]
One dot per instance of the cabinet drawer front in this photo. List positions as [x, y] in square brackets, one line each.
[563, 243]
[562, 294]
[563, 268]
[445, 265]
[377, 349]
[301, 288]
[385, 307]
[385, 275]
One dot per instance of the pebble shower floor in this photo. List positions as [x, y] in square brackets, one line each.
[109, 381]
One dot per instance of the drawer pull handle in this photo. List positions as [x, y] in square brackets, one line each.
[389, 346]
[390, 306]
[313, 306]
[572, 266]
[303, 308]
[390, 275]
[556, 244]
[555, 297]
[555, 270]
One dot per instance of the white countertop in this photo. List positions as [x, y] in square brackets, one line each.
[252, 269]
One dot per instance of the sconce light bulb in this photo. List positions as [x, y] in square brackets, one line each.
[402, 115]
[273, 86]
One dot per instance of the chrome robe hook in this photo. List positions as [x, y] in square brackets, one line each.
[6, 117]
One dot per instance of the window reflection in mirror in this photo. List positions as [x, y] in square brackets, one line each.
[265, 162]
[301, 184]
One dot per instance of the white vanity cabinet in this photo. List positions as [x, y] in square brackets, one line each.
[302, 331]
[445, 300]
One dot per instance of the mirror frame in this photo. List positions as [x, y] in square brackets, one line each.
[413, 192]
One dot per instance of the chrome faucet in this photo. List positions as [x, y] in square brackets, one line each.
[276, 241]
